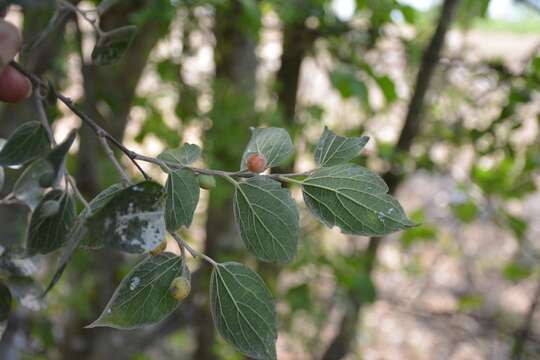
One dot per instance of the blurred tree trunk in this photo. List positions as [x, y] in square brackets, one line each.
[297, 41]
[109, 92]
[341, 345]
[232, 115]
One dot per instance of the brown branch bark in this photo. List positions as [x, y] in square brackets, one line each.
[524, 332]
[341, 344]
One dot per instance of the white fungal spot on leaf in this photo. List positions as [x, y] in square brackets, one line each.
[134, 283]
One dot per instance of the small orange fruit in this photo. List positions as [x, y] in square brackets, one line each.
[256, 163]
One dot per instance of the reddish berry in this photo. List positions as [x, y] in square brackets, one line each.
[256, 163]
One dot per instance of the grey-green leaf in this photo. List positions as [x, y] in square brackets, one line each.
[27, 188]
[50, 222]
[112, 45]
[354, 199]
[28, 141]
[182, 198]
[143, 297]
[101, 199]
[274, 143]
[243, 310]
[267, 217]
[132, 220]
[181, 156]
[56, 158]
[333, 149]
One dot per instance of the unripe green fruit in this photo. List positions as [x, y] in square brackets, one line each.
[50, 208]
[207, 182]
[159, 249]
[180, 288]
[256, 163]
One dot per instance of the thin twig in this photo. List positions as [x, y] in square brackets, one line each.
[77, 192]
[83, 13]
[42, 115]
[98, 129]
[183, 244]
[103, 140]
[132, 155]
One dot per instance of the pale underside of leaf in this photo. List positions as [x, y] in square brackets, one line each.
[131, 220]
[143, 297]
[27, 142]
[355, 199]
[267, 218]
[243, 310]
[27, 188]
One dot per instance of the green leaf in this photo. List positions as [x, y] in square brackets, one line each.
[345, 81]
[182, 198]
[363, 288]
[354, 199]
[470, 302]
[465, 211]
[423, 232]
[518, 225]
[243, 310]
[143, 297]
[516, 271]
[274, 143]
[50, 222]
[333, 149]
[388, 88]
[184, 155]
[27, 142]
[112, 45]
[267, 217]
[132, 220]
